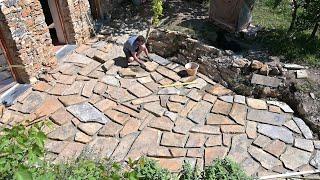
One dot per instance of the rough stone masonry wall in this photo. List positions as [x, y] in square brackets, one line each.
[76, 15]
[26, 36]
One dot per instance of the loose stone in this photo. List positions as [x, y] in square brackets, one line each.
[266, 117]
[257, 103]
[276, 132]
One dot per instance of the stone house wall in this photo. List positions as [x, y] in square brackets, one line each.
[26, 37]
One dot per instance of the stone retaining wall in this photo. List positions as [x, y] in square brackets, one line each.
[26, 36]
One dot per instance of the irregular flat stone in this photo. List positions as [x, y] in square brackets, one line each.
[162, 123]
[169, 91]
[217, 119]
[88, 87]
[293, 66]
[71, 100]
[147, 139]
[262, 141]
[63, 132]
[228, 99]
[238, 113]
[100, 88]
[251, 129]
[173, 139]
[307, 133]
[285, 107]
[267, 161]
[239, 99]
[124, 146]
[206, 129]
[90, 128]
[110, 129]
[294, 158]
[174, 107]
[178, 152]
[70, 152]
[41, 86]
[110, 80]
[195, 95]
[155, 108]
[214, 140]
[304, 144]
[75, 88]
[151, 66]
[66, 79]
[265, 80]
[199, 84]
[119, 94]
[148, 99]
[179, 99]
[250, 166]
[117, 116]
[292, 126]
[196, 140]
[302, 74]
[156, 76]
[276, 132]
[160, 60]
[58, 89]
[316, 144]
[187, 108]
[257, 103]
[82, 138]
[159, 152]
[232, 129]
[239, 148]
[144, 80]
[32, 102]
[102, 147]
[213, 153]
[221, 107]
[210, 98]
[139, 90]
[131, 126]
[266, 117]
[105, 104]
[61, 117]
[275, 148]
[218, 90]
[198, 112]
[168, 73]
[195, 153]
[182, 126]
[89, 68]
[315, 162]
[55, 146]
[49, 106]
[171, 115]
[85, 112]
[173, 164]
[78, 59]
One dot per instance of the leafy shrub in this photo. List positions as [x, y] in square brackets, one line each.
[224, 169]
[189, 173]
[147, 169]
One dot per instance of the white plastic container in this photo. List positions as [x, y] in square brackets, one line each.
[192, 68]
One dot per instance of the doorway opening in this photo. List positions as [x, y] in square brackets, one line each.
[7, 78]
[53, 18]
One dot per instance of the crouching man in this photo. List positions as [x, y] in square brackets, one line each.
[133, 47]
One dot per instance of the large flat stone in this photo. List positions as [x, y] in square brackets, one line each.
[32, 102]
[267, 160]
[79, 59]
[265, 80]
[173, 139]
[124, 146]
[63, 132]
[266, 117]
[294, 158]
[85, 112]
[110, 80]
[212, 153]
[168, 73]
[239, 148]
[160, 60]
[139, 90]
[155, 108]
[285, 107]
[307, 133]
[199, 112]
[276, 132]
[102, 147]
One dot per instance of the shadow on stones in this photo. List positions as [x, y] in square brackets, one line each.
[182, 73]
[121, 62]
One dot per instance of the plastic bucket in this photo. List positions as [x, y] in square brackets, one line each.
[192, 68]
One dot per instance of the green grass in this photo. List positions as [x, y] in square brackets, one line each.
[275, 38]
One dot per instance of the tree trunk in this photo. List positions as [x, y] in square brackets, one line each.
[314, 31]
[294, 15]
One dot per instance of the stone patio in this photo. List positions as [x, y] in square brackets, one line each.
[103, 107]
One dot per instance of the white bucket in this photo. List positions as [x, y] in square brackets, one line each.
[192, 68]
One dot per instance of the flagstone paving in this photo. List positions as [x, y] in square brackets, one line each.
[116, 111]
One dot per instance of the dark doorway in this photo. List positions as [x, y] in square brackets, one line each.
[7, 79]
[95, 9]
[49, 21]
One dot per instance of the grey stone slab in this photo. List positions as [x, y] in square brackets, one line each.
[228, 99]
[85, 112]
[265, 80]
[301, 74]
[169, 91]
[264, 116]
[32, 101]
[78, 59]
[315, 162]
[293, 158]
[199, 112]
[160, 60]
[285, 107]
[276, 132]
[307, 133]
[111, 80]
[240, 99]
[239, 148]
[293, 66]
[267, 160]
